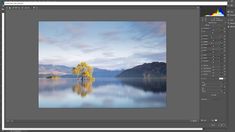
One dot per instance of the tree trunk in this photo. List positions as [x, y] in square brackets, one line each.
[82, 78]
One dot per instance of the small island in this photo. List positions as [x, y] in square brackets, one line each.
[54, 77]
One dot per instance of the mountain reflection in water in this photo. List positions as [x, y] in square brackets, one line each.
[102, 93]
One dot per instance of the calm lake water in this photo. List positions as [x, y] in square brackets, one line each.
[102, 93]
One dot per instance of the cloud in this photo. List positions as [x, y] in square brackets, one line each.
[108, 54]
[148, 30]
[75, 30]
[128, 61]
[58, 60]
[66, 44]
[93, 49]
[161, 57]
[108, 45]
[51, 61]
[70, 36]
[88, 48]
[62, 34]
[45, 39]
[112, 35]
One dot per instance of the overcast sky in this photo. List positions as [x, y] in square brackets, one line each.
[103, 44]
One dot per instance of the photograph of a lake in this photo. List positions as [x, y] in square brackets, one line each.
[104, 93]
[102, 64]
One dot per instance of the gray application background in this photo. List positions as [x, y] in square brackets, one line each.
[21, 63]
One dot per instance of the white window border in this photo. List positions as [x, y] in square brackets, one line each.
[51, 3]
[117, 3]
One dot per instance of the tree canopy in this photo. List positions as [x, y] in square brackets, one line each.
[83, 71]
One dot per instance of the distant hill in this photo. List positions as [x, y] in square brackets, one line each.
[105, 73]
[146, 70]
[65, 71]
[55, 69]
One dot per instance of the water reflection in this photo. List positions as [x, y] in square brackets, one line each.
[103, 93]
[153, 84]
[83, 88]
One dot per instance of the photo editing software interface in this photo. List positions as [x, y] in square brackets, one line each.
[155, 64]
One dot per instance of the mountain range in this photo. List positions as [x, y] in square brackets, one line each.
[146, 70]
[66, 72]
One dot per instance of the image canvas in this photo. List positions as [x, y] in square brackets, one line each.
[102, 64]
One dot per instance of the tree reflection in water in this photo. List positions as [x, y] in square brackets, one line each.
[83, 88]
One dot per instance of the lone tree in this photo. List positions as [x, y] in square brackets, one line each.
[83, 71]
